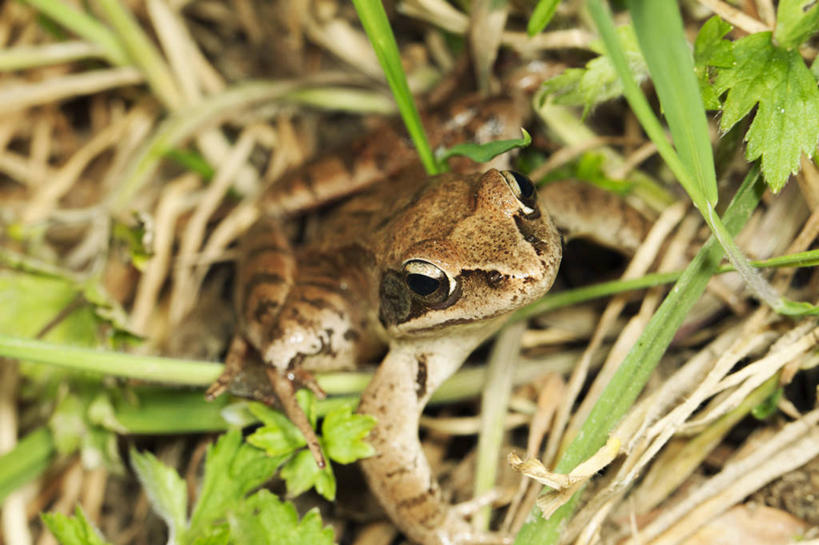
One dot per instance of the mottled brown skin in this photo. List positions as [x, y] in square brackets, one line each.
[344, 293]
[348, 287]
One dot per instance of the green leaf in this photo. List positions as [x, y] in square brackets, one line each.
[278, 436]
[214, 535]
[76, 530]
[769, 407]
[598, 82]
[31, 301]
[301, 473]
[29, 459]
[232, 469]
[68, 424]
[786, 123]
[265, 520]
[544, 11]
[134, 238]
[308, 402]
[192, 161]
[796, 21]
[166, 491]
[344, 432]
[711, 50]
[481, 153]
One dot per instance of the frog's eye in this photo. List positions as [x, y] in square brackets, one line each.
[427, 281]
[523, 189]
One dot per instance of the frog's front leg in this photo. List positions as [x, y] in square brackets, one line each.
[399, 473]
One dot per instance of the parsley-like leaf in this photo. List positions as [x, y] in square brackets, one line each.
[278, 436]
[265, 520]
[787, 120]
[301, 473]
[344, 434]
[166, 490]
[232, 469]
[74, 530]
[796, 21]
[598, 82]
[710, 50]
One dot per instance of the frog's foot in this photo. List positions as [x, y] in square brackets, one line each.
[284, 384]
[234, 365]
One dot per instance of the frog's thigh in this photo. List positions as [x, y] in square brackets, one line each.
[315, 327]
[266, 272]
[583, 210]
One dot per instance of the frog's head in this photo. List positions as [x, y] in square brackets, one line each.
[463, 252]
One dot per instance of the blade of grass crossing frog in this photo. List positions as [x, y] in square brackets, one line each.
[375, 23]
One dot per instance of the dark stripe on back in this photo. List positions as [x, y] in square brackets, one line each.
[269, 249]
[258, 279]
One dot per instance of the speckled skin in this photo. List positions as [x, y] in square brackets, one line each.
[342, 294]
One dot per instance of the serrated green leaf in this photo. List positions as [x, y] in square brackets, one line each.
[214, 535]
[786, 123]
[265, 520]
[481, 153]
[711, 50]
[76, 530]
[599, 81]
[166, 491]
[344, 432]
[278, 436]
[796, 21]
[301, 473]
[232, 469]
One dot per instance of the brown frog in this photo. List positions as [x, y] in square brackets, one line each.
[428, 266]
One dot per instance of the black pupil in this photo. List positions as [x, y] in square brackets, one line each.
[422, 284]
[527, 189]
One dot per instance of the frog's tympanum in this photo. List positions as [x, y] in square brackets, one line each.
[428, 266]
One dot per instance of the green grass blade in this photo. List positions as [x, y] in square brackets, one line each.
[659, 30]
[26, 461]
[82, 24]
[544, 11]
[613, 287]
[639, 105]
[144, 54]
[687, 111]
[375, 23]
[153, 368]
[638, 365]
